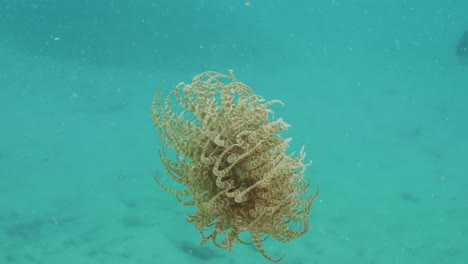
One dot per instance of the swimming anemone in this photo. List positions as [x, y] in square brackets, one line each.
[231, 161]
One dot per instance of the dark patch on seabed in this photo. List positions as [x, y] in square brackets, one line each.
[408, 197]
[29, 229]
[462, 49]
[198, 251]
[134, 222]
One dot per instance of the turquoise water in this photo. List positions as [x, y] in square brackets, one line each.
[372, 89]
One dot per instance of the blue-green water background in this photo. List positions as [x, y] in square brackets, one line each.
[372, 89]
